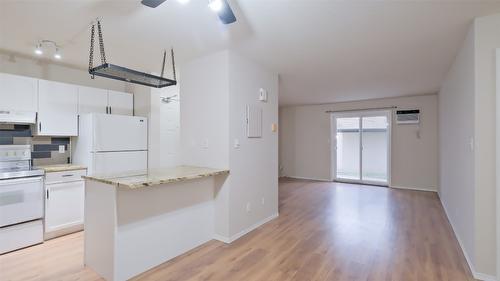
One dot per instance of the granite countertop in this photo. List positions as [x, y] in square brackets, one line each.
[61, 168]
[151, 178]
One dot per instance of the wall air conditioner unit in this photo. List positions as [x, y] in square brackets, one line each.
[408, 116]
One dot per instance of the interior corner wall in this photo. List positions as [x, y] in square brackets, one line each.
[26, 66]
[254, 165]
[456, 132]
[305, 150]
[216, 90]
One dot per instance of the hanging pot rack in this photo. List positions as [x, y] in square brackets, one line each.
[121, 73]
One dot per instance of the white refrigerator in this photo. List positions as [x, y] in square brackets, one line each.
[112, 144]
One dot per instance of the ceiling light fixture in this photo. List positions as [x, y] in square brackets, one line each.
[57, 54]
[183, 1]
[48, 43]
[38, 49]
[215, 5]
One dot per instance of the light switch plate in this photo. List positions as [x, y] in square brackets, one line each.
[236, 143]
[263, 95]
[274, 127]
[62, 149]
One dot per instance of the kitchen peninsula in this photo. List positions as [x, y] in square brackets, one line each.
[135, 222]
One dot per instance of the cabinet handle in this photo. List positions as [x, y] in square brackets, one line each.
[47, 194]
[107, 110]
[40, 126]
[110, 110]
[68, 175]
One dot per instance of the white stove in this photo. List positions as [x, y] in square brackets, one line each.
[21, 199]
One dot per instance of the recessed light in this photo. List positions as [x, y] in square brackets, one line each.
[215, 5]
[183, 1]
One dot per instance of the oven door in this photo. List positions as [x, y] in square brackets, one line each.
[21, 200]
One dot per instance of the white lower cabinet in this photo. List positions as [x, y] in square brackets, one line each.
[64, 203]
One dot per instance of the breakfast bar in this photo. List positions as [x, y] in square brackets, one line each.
[136, 221]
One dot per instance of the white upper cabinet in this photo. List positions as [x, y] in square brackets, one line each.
[120, 103]
[92, 100]
[57, 109]
[18, 93]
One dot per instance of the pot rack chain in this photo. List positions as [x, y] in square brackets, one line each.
[101, 45]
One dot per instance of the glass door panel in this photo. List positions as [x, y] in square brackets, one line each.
[348, 148]
[374, 149]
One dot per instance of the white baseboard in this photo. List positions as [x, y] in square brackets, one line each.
[414, 188]
[306, 178]
[475, 274]
[484, 277]
[240, 234]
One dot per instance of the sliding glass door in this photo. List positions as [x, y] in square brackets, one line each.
[361, 147]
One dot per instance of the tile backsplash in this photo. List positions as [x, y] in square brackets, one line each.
[44, 151]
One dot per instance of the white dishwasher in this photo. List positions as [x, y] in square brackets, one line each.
[64, 202]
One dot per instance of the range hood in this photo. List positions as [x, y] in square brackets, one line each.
[17, 117]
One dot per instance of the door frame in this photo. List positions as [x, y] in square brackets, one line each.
[333, 144]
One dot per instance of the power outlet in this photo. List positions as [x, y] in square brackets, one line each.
[62, 149]
[249, 207]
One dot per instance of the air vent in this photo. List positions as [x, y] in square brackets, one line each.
[408, 116]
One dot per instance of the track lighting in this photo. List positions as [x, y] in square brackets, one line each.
[39, 49]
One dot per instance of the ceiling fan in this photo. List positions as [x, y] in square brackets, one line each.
[221, 7]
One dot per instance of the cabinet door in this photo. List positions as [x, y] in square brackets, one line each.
[18, 93]
[121, 103]
[64, 205]
[57, 109]
[92, 100]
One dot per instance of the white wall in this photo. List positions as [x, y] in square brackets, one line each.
[467, 146]
[205, 111]
[215, 92]
[456, 123]
[305, 141]
[487, 40]
[19, 65]
[254, 166]
[205, 126]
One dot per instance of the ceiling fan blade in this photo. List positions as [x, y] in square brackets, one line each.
[225, 14]
[152, 3]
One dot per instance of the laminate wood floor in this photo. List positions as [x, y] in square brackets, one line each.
[325, 231]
